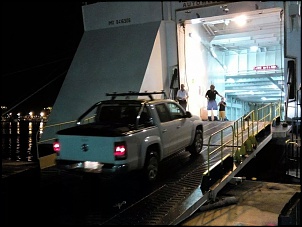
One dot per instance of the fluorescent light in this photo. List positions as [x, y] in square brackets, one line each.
[230, 80]
[254, 48]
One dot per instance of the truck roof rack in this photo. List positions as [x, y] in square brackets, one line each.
[133, 93]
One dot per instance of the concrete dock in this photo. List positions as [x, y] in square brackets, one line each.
[259, 204]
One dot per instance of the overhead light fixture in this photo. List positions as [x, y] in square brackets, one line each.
[230, 80]
[195, 21]
[240, 20]
[253, 48]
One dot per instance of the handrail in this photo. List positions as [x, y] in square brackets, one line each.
[266, 117]
[222, 145]
[277, 112]
[245, 124]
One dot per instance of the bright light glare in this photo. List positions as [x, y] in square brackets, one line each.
[213, 52]
[274, 86]
[195, 37]
[240, 20]
[195, 21]
[230, 80]
[254, 48]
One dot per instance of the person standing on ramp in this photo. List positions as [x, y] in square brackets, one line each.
[212, 104]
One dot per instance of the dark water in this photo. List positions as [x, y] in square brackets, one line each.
[19, 140]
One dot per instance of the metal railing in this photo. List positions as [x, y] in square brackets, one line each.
[293, 156]
[222, 145]
[244, 130]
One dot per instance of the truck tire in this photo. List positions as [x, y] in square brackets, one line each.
[196, 147]
[151, 167]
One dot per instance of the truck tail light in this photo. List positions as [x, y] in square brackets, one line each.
[56, 147]
[120, 150]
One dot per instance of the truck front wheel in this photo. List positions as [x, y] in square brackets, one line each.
[196, 147]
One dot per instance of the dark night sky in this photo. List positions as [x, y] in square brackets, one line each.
[39, 40]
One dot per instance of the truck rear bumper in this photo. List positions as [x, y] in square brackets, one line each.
[90, 167]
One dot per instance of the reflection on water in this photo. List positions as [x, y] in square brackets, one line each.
[19, 139]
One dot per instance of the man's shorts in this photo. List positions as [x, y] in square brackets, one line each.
[212, 105]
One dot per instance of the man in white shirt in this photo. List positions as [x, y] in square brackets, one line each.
[182, 96]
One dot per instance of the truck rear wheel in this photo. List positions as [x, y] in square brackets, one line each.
[196, 147]
[151, 167]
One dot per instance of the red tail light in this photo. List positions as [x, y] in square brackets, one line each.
[120, 150]
[56, 147]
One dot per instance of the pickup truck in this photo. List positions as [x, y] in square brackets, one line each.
[123, 134]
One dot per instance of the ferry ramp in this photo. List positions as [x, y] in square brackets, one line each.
[186, 182]
[198, 180]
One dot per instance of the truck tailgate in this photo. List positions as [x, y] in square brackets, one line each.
[86, 148]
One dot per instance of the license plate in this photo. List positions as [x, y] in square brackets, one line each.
[93, 165]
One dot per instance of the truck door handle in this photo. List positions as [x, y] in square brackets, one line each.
[165, 130]
[178, 126]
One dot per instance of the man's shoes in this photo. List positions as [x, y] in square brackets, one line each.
[209, 118]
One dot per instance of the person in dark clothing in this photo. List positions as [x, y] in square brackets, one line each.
[212, 104]
[222, 105]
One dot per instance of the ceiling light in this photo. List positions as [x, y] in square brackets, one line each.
[240, 20]
[254, 48]
[230, 80]
[196, 21]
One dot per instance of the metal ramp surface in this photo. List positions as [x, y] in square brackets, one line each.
[182, 189]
